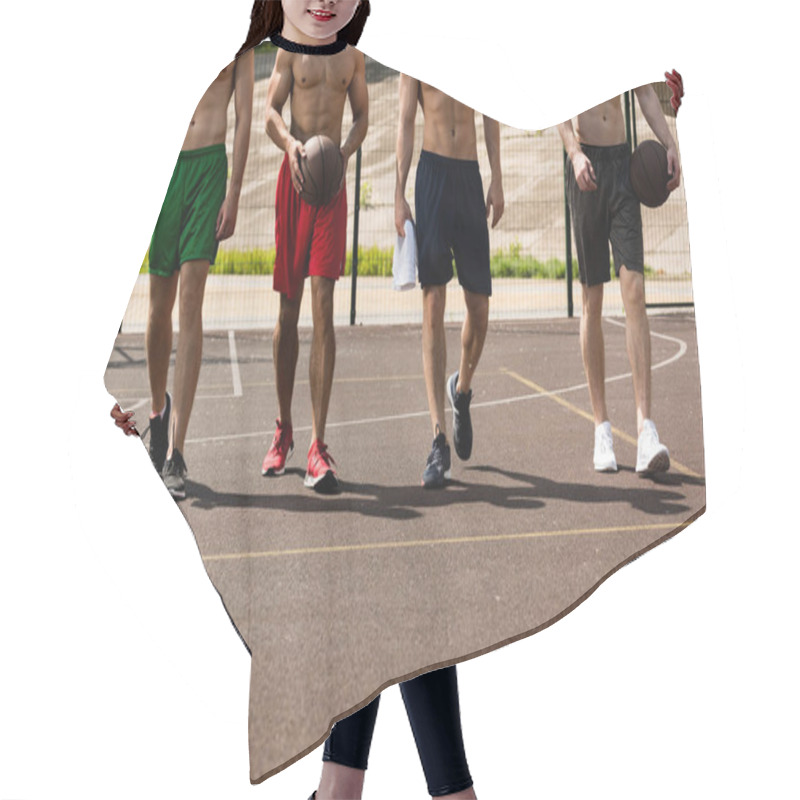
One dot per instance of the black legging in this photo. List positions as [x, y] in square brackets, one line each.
[432, 706]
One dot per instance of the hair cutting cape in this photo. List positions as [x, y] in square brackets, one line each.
[337, 597]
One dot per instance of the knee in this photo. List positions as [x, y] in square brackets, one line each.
[190, 310]
[160, 307]
[633, 296]
[288, 316]
[592, 307]
[478, 309]
[433, 299]
[159, 313]
[192, 285]
[590, 314]
[322, 297]
[323, 310]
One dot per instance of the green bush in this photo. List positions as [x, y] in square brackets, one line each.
[511, 263]
[236, 262]
[244, 262]
[365, 195]
[375, 261]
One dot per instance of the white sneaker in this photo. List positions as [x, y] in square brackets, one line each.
[604, 458]
[651, 455]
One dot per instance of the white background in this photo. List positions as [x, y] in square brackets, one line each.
[120, 675]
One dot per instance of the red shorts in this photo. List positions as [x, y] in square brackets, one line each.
[308, 240]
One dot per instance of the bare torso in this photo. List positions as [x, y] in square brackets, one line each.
[603, 125]
[209, 123]
[449, 125]
[319, 91]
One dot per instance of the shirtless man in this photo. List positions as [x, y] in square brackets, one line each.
[451, 224]
[317, 74]
[196, 216]
[605, 208]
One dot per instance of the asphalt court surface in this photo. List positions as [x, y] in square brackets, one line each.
[385, 577]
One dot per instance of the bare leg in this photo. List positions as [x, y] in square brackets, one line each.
[189, 356]
[434, 352]
[473, 335]
[158, 338]
[285, 348]
[637, 336]
[339, 782]
[593, 350]
[323, 353]
[466, 794]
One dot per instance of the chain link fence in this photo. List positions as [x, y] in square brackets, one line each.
[529, 247]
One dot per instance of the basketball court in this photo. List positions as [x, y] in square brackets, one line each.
[346, 584]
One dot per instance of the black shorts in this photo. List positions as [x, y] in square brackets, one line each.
[451, 223]
[609, 213]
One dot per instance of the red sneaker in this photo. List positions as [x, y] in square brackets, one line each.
[281, 448]
[321, 475]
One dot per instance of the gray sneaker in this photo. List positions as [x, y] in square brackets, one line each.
[462, 422]
[437, 468]
[159, 437]
[174, 475]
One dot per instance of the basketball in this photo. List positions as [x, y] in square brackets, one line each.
[649, 174]
[322, 171]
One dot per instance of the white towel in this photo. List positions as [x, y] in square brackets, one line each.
[404, 263]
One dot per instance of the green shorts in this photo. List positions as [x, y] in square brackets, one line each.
[186, 227]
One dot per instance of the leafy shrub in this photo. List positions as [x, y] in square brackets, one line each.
[508, 262]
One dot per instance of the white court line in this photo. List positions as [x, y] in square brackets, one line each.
[682, 348]
[237, 378]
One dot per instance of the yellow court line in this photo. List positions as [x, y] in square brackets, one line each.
[501, 537]
[581, 413]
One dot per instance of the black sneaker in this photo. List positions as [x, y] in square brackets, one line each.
[462, 422]
[174, 475]
[438, 466]
[159, 437]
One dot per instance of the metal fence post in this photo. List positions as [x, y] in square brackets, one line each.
[568, 242]
[356, 210]
[628, 117]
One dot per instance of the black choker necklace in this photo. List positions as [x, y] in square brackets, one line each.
[309, 49]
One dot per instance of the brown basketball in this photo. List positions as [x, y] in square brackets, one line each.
[322, 170]
[649, 174]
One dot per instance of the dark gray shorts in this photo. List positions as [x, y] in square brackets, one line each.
[609, 213]
[451, 223]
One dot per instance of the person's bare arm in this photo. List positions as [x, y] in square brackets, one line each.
[409, 90]
[582, 167]
[654, 114]
[494, 197]
[243, 103]
[359, 104]
[278, 91]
